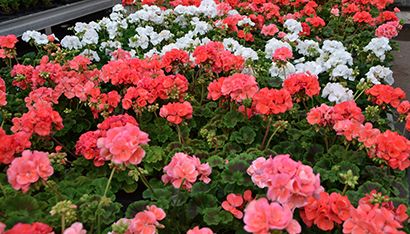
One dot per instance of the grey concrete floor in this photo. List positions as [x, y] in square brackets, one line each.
[401, 67]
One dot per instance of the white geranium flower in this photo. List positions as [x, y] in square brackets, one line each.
[379, 73]
[91, 54]
[335, 92]
[311, 67]
[342, 71]
[37, 37]
[379, 46]
[71, 43]
[308, 48]
[282, 71]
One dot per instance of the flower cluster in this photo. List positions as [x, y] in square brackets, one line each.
[238, 87]
[28, 169]
[87, 144]
[371, 217]
[12, 144]
[301, 84]
[261, 217]
[148, 90]
[325, 115]
[235, 202]
[183, 171]
[41, 119]
[217, 58]
[197, 230]
[272, 101]
[386, 95]
[288, 182]
[122, 145]
[7, 44]
[326, 211]
[36, 227]
[3, 95]
[176, 112]
[146, 221]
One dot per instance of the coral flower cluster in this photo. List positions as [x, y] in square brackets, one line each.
[176, 112]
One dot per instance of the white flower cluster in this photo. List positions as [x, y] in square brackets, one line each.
[237, 49]
[37, 37]
[333, 53]
[335, 92]
[379, 73]
[294, 27]
[272, 45]
[378, 46]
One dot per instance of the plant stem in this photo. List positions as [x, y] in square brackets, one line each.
[145, 181]
[99, 204]
[360, 94]
[109, 181]
[271, 137]
[266, 133]
[181, 139]
[202, 94]
[62, 223]
[344, 190]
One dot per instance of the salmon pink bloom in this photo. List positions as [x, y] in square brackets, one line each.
[174, 58]
[269, 30]
[388, 30]
[239, 87]
[75, 228]
[215, 89]
[261, 217]
[282, 54]
[123, 144]
[289, 182]
[176, 112]
[197, 230]
[147, 221]
[28, 169]
[183, 171]
[404, 107]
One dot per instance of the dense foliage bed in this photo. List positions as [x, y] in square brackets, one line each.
[190, 116]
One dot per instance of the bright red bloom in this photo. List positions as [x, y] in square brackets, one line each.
[174, 58]
[302, 82]
[326, 210]
[41, 119]
[316, 22]
[363, 17]
[176, 112]
[386, 94]
[12, 144]
[272, 101]
[28, 169]
[404, 107]
[215, 89]
[393, 148]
